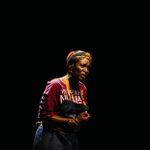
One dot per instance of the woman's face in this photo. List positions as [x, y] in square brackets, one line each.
[81, 69]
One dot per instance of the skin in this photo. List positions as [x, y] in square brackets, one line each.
[81, 69]
[77, 72]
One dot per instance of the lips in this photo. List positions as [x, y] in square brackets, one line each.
[83, 76]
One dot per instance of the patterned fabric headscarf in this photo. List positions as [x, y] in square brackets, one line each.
[74, 56]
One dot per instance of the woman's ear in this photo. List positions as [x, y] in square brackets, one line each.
[70, 68]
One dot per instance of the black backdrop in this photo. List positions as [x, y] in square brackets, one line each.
[108, 95]
[34, 49]
[38, 53]
[111, 88]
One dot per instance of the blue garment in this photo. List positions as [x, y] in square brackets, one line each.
[55, 140]
[38, 135]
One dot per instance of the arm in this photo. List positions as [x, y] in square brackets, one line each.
[71, 121]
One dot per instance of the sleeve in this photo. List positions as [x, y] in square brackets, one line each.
[50, 100]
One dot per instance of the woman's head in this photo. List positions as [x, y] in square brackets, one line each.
[76, 55]
[78, 63]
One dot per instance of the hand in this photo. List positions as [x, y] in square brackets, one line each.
[84, 116]
[73, 122]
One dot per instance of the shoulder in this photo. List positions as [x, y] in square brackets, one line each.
[56, 82]
[53, 82]
[52, 85]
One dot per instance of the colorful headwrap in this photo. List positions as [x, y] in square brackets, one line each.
[73, 56]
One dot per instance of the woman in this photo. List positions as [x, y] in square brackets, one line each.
[63, 106]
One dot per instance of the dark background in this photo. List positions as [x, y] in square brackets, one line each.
[110, 83]
[40, 56]
[112, 86]
[35, 39]
[108, 92]
[35, 50]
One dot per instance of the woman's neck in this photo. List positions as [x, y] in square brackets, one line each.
[72, 81]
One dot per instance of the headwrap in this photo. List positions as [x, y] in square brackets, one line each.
[71, 58]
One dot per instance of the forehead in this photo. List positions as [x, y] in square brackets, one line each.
[84, 60]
